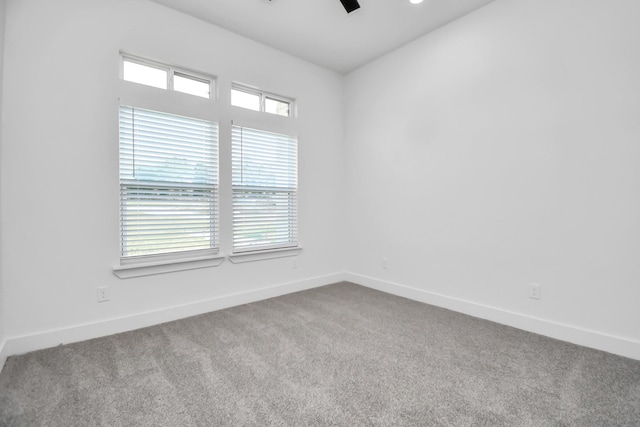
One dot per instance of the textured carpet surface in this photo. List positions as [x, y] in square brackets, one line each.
[336, 355]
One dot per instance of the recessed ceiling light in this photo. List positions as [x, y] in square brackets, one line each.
[415, 1]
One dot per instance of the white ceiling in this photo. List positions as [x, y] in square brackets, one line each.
[321, 31]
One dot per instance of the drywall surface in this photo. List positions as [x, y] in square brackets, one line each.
[503, 150]
[2, 25]
[60, 195]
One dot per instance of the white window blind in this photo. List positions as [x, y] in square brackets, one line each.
[168, 183]
[265, 185]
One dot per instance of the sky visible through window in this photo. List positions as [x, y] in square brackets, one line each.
[143, 74]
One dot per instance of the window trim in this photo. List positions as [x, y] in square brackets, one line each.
[264, 254]
[169, 265]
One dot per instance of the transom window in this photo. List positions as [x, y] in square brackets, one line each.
[255, 100]
[162, 76]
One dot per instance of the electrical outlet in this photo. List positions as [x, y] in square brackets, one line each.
[103, 294]
[295, 263]
[535, 291]
[384, 263]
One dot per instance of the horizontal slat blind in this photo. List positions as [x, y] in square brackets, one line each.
[168, 183]
[265, 185]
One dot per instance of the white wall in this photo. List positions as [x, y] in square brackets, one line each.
[501, 150]
[60, 167]
[2, 24]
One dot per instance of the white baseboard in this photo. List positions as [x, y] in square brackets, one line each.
[588, 338]
[576, 335]
[47, 339]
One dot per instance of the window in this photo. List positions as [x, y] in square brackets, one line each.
[163, 76]
[264, 180]
[168, 184]
[258, 101]
[276, 106]
[192, 85]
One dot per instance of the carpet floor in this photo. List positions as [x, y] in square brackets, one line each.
[336, 355]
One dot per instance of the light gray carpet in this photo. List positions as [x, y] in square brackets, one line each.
[336, 355]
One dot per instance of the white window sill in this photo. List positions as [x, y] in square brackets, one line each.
[166, 266]
[262, 255]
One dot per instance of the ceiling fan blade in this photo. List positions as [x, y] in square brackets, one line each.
[350, 5]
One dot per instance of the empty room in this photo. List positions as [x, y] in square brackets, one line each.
[319, 212]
